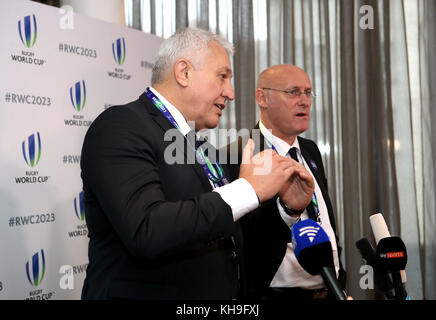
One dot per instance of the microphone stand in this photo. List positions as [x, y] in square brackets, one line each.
[400, 293]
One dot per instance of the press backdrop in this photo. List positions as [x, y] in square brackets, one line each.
[59, 70]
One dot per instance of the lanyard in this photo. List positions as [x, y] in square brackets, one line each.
[314, 198]
[158, 104]
[214, 172]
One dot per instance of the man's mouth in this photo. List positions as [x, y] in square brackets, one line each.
[302, 114]
[220, 106]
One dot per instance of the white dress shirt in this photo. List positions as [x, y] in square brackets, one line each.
[239, 194]
[290, 272]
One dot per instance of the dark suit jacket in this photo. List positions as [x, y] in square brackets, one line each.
[156, 230]
[265, 233]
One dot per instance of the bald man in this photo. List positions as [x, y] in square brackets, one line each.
[284, 95]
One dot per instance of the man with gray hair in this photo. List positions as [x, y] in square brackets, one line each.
[164, 230]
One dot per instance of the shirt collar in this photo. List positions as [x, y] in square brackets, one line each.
[281, 146]
[177, 115]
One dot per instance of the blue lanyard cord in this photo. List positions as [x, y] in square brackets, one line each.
[214, 172]
[158, 104]
[314, 198]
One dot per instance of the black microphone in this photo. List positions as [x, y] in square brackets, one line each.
[313, 250]
[392, 254]
[382, 281]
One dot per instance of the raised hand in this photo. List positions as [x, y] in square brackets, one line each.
[297, 191]
[267, 172]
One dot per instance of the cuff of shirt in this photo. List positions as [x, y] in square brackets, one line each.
[240, 196]
[290, 221]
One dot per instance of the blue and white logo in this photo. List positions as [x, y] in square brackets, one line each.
[78, 95]
[27, 29]
[31, 150]
[310, 231]
[79, 207]
[35, 268]
[119, 50]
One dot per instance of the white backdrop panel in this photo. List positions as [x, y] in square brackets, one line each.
[56, 79]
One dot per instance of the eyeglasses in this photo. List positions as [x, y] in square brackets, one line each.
[295, 92]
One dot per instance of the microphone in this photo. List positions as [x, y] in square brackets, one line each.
[313, 250]
[383, 282]
[380, 231]
[392, 254]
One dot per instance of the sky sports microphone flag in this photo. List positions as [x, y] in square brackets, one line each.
[392, 254]
[313, 251]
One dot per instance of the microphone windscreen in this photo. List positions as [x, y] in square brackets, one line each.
[383, 282]
[367, 252]
[379, 227]
[392, 254]
[312, 246]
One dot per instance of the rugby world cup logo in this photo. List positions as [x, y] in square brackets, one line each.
[79, 207]
[35, 268]
[32, 149]
[27, 28]
[78, 95]
[119, 50]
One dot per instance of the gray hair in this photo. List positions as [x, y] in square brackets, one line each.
[186, 43]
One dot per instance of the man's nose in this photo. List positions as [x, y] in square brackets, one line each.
[305, 100]
[228, 92]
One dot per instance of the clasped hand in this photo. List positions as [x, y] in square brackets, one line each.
[270, 174]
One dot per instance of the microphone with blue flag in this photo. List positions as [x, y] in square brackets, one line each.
[313, 251]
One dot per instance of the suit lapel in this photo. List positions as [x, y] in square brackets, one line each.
[259, 140]
[279, 229]
[181, 142]
[318, 173]
[313, 168]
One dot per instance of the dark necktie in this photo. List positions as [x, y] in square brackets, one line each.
[310, 210]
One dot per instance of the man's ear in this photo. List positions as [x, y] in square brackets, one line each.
[182, 69]
[261, 98]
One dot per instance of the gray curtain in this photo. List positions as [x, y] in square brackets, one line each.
[366, 114]
[244, 73]
[428, 56]
[372, 115]
[387, 153]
